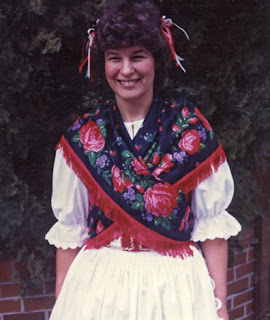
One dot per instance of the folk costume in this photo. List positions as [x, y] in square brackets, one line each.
[137, 197]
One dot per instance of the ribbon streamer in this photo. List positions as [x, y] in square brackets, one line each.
[166, 24]
[91, 36]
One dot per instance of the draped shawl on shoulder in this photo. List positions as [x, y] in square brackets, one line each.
[140, 187]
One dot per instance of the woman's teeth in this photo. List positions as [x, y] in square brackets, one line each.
[128, 83]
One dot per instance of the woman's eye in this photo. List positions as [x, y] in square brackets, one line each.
[138, 57]
[114, 59]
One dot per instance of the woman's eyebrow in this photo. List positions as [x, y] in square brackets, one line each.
[139, 51]
[110, 53]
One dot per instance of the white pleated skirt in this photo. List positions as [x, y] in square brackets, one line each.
[112, 284]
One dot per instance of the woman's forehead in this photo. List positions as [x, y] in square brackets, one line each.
[138, 49]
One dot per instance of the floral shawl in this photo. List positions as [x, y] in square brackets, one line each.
[140, 187]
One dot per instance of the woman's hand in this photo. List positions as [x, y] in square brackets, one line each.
[223, 314]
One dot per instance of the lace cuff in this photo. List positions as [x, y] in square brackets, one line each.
[67, 236]
[222, 225]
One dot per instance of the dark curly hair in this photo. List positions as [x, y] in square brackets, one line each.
[128, 23]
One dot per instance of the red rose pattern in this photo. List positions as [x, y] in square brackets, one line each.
[139, 166]
[193, 120]
[202, 118]
[175, 128]
[140, 188]
[99, 227]
[166, 165]
[160, 200]
[156, 158]
[91, 137]
[190, 142]
[185, 112]
[120, 182]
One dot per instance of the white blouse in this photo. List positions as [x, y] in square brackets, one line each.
[70, 202]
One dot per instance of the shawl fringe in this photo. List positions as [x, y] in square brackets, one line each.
[152, 241]
[104, 238]
[123, 223]
[202, 171]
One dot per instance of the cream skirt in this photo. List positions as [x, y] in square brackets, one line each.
[112, 284]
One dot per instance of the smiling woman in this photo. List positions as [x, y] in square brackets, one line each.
[130, 73]
[136, 184]
[120, 27]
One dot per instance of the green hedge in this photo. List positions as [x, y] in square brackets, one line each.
[42, 93]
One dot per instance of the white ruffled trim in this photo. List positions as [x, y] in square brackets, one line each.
[67, 236]
[222, 225]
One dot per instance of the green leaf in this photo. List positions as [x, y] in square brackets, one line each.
[144, 184]
[136, 205]
[127, 154]
[102, 124]
[128, 161]
[103, 132]
[92, 157]
[76, 138]
[166, 224]
[179, 121]
[158, 220]
[139, 197]
[173, 216]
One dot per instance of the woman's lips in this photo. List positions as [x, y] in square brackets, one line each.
[128, 83]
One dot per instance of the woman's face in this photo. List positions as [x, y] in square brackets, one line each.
[130, 72]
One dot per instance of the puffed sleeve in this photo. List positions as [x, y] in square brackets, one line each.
[70, 203]
[209, 201]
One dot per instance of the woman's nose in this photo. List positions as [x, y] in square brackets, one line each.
[127, 67]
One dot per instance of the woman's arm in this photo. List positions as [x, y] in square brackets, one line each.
[216, 256]
[64, 259]
[70, 205]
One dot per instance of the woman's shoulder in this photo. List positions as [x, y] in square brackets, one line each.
[178, 102]
[184, 117]
[96, 114]
[183, 107]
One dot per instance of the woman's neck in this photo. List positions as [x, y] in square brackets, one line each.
[134, 110]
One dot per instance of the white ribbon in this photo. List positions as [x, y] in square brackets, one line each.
[91, 36]
[166, 24]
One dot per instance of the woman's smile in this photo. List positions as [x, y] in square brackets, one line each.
[129, 83]
[130, 72]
